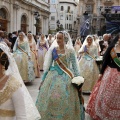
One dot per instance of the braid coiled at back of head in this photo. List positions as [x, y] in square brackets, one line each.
[4, 59]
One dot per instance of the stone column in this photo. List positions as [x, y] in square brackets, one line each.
[30, 21]
[98, 16]
[16, 16]
[47, 26]
[11, 22]
[42, 24]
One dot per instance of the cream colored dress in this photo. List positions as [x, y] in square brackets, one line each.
[89, 69]
[77, 47]
[22, 59]
[12, 105]
[42, 47]
[30, 109]
[34, 56]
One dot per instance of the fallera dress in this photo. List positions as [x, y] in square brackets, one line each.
[15, 93]
[12, 105]
[104, 101]
[58, 98]
[89, 69]
[77, 47]
[42, 48]
[25, 66]
[34, 57]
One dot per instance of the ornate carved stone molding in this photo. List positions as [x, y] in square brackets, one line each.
[89, 2]
[15, 6]
[108, 3]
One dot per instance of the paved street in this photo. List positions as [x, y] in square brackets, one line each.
[33, 89]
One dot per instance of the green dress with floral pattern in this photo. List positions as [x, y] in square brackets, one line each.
[58, 98]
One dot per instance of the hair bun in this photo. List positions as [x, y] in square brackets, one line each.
[4, 59]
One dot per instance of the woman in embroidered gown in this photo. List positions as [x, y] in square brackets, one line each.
[42, 47]
[22, 56]
[58, 98]
[15, 100]
[12, 105]
[34, 56]
[88, 67]
[104, 102]
[77, 46]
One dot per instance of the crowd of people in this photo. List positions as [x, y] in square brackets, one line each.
[69, 71]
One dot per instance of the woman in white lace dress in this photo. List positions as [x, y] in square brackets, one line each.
[88, 66]
[22, 57]
[15, 101]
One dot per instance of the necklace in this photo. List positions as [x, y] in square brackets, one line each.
[20, 42]
[2, 78]
[30, 41]
[60, 50]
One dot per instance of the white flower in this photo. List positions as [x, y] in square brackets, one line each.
[78, 80]
[100, 58]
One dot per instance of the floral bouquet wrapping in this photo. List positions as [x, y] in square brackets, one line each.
[78, 82]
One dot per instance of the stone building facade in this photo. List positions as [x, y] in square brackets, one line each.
[21, 15]
[94, 8]
[63, 15]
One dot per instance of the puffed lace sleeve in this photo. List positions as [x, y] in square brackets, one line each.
[19, 105]
[75, 65]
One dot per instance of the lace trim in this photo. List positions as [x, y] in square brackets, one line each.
[7, 113]
[63, 59]
[11, 86]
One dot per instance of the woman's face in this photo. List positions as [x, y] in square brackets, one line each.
[89, 40]
[77, 41]
[21, 36]
[50, 37]
[29, 36]
[60, 39]
[42, 37]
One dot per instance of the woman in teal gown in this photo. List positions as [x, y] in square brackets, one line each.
[21, 51]
[58, 98]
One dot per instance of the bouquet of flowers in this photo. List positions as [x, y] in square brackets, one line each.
[78, 82]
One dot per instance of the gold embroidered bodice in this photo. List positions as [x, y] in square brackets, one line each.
[62, 57]
[6, 93]
[10, 87]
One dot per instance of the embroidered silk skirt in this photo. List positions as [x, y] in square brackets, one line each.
[58, 98]
[89, 70]
[41, 54]
[104, 102]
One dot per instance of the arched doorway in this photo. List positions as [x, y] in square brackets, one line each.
[24, 23]
[3, 19]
